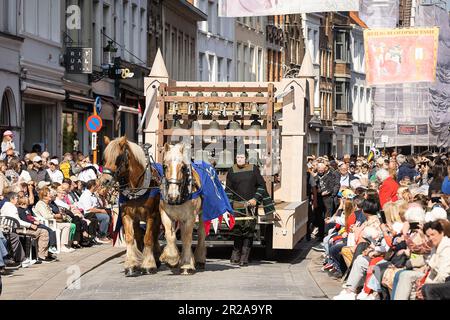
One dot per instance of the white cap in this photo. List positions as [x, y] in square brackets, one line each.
[415, 214]
[37, 159]
[43, 184]
[54, 161]
[436, 214]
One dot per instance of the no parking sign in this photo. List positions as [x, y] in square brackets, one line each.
[94, 123]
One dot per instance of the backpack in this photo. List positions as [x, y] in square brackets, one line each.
[65, 169]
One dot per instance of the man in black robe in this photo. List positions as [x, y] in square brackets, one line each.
[245, 188]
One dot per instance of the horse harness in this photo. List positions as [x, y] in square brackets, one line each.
[124, 189]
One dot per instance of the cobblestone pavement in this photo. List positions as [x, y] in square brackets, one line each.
[48, 281]
[288, 278]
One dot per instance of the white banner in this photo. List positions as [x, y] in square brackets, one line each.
[246, 8]
[379, 13]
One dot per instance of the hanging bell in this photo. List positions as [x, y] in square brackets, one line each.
[253, 157]
[245, 104]
[234, 125]
[196, 125]
[206, 109]
[214, 94]
[185, 105]
[201, 155]
[199, 104]
[176, 123]
[254, 112]
[225, 160]
[214, 125]
[255, 125]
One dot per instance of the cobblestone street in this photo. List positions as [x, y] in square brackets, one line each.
[289, 278]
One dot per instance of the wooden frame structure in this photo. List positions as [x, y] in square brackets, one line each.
[190, 102]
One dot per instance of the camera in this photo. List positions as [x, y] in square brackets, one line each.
[436, 199]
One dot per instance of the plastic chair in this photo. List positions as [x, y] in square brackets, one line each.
[8, 225]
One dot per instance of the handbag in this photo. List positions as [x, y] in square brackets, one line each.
[419, 284]
[351, 241]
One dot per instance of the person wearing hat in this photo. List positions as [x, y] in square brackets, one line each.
[55, 174]
[244, 183]
[8, 146]
[37, 173]
[88, 171]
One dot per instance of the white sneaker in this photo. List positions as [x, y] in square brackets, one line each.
[373, 296]
[345, 296]
[26, 263]
[52, 250]
[101, 241]
[67, 250]
[362, 296]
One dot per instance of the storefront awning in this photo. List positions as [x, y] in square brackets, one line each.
[43, 91]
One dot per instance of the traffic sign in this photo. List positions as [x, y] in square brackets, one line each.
[98, 104]
[94, 123]
[94, 141]
[384, 139]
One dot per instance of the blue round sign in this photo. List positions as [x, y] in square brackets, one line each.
[94, 124]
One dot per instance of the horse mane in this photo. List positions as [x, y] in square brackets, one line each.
[113, 150]
[184, 157]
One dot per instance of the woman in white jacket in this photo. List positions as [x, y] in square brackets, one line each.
[439, 263]
[44, 212]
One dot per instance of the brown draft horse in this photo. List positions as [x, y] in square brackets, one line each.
[125, 163]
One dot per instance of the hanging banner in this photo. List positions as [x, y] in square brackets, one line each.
[401, 55]
[406, 129]
[379, 13]
[248, 8]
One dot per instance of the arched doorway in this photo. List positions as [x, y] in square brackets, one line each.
[8, 114]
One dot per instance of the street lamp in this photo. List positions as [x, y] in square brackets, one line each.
[109, 53]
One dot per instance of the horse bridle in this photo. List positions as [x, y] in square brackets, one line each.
[121, 162]
[183, 184]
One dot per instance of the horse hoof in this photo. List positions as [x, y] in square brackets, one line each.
[132, 272]
[200, 265]
[158, 264]
[187, 272]
[172, 266]
[149, 271]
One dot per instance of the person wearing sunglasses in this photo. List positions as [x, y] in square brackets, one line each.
[38, 173]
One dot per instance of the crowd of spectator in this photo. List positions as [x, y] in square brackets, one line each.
[58, 202]
[383, 224]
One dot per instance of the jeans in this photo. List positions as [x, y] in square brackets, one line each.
[103, 219]
[336, 257]
[405, 283]
[358, 272]
[326, 243]
[377, 275]
[395, 283]
[3, 252]
[436, 291]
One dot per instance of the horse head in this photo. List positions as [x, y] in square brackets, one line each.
[176, 173]
[123, 160]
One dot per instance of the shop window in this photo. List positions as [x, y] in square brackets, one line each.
[71, 138]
